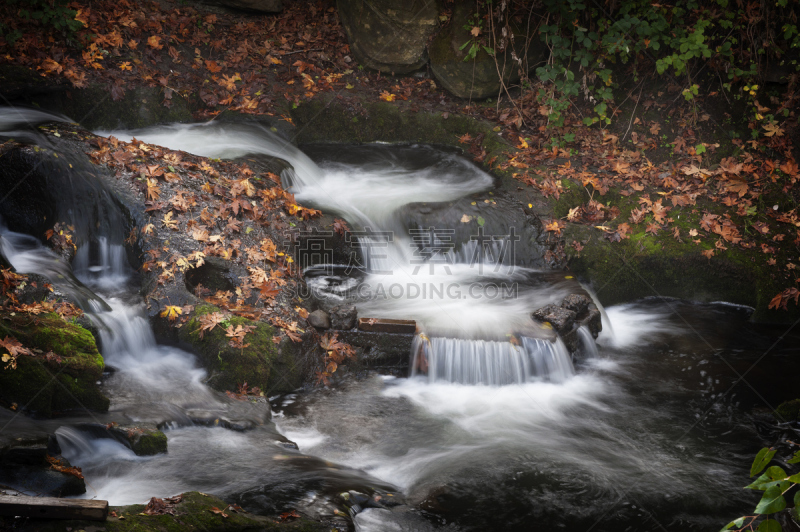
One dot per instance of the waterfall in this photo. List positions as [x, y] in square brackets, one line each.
[491, 362]
[472, 288]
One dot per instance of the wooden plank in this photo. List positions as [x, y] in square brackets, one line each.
[53, 508]
[387, 326]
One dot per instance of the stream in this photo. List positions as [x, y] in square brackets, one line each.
[650, 429]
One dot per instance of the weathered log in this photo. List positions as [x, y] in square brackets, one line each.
[53, 508]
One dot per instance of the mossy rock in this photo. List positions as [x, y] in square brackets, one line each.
[139, 107]
[478, 77]
[660, 266]
[273, 368]
[389, 35]
[788, 411]
[44, 387]
[326, 121]
[192, 513]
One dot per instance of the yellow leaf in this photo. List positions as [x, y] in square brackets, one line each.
[171, 312]
[385, 95]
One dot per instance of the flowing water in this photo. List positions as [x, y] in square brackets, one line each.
[651, 431]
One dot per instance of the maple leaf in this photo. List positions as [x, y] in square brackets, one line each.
[653, 228]
[659, 211]
[772, 129]
[155, 42]
[169, 222]
[14, 347]
[621, 167]
[171, 312]
[268, 291]
[555, 226]
[209, 321]
[125, 66]
[708, 253]
[237, 335]
[637, 215]
[387, 97]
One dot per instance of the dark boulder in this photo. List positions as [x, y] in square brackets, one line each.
[560, 318]
[480, 76]
[319, 319]
[30, 466]
[389, 35]
[343, 317]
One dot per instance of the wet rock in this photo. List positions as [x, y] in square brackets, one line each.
[560, 318]
[144, 439]
[319, 319]
[578, 303]
[24, 466]
[215, 274]
[593, 321]
[343, 317]
[389, 35]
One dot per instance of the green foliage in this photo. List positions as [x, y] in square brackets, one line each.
[54, 14]
[775, 483]
[677, 39]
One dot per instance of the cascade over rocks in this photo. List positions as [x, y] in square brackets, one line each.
[389, 35]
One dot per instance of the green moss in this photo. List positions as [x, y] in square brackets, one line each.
[647, 265]
[149, 443]
[788, 411]
[262, 363]
[326, 121]
[192, 513]
[47, 387]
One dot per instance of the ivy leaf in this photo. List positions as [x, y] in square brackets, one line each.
[762, 459]
[772, 501]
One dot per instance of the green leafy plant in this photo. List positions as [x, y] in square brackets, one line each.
[51, 13]
[775, 483]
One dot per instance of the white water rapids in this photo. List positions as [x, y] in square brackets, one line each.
[623, 443]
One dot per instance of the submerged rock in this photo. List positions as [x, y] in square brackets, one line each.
[28, 465]
[144, 439]
[389, 35]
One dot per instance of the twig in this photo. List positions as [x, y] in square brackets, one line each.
[633, 114]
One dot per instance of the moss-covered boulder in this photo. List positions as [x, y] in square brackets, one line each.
[43, 385]
[788, 411]
[139, 107]
[196, 511]
[648, 265]
[478, 77]
[272, 367]
[389, 35]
